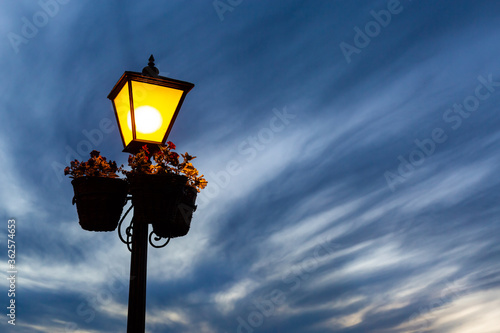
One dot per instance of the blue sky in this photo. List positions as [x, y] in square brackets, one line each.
[351, 150]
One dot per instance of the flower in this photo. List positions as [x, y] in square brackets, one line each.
[146, 150]
[96, 166]
[166, 161]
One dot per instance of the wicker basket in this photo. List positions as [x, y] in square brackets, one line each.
[165, 201]
[99, 202]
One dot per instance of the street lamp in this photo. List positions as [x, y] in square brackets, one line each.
[163, 194]
[146, 106]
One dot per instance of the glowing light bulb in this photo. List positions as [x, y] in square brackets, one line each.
[147, 119]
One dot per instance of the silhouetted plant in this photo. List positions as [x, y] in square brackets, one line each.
[166, 161]
[96, 166]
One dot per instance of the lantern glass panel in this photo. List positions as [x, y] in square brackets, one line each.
[154, 108]
[122, 106]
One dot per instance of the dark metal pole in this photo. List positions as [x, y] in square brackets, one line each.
[136, 321]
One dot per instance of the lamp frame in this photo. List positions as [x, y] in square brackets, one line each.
[127, 77]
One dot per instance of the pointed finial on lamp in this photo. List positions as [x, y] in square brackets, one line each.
[150, 69]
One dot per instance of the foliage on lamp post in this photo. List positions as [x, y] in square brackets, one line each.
[99, 194]
[164, 189]
[163, 185]
[166, 163]
[96, 166]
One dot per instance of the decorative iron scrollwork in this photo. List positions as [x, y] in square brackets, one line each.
[153, 240]
[128, 230]
[157, 238]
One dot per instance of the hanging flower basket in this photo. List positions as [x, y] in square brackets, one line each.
[99, 202]
[165, 201]
[164, 193]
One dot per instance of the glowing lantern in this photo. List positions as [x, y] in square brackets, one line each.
[146, 106]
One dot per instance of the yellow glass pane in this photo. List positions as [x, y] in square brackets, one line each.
[122, 106]
[154, 107]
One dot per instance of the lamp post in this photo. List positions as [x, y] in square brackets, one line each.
[146, 106]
